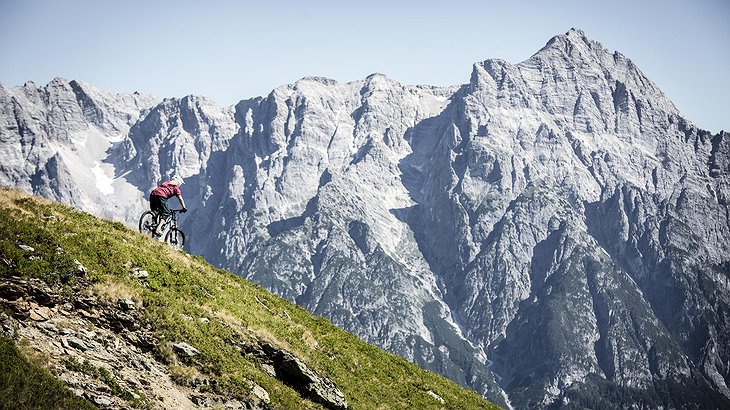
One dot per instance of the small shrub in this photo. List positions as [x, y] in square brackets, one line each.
[166, 353]
[184, 375]
[111, 291]
[85, 367]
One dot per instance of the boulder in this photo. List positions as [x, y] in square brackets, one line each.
[304, 380]
[185, 349]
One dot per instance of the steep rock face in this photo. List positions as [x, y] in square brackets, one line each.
[177, 136]
[54, 141]
[586, 124]
[549, 230]
[305, 199]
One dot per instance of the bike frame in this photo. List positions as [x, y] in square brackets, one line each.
[150, 227]
[171, 220]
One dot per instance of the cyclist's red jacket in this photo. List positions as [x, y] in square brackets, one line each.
[167, 190]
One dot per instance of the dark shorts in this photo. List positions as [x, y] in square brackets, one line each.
[158, 205]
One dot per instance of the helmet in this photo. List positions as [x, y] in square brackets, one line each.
[177, 181]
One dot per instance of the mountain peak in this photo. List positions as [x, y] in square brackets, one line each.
[574, 43]
[376, 75]
[318, 79]
[379, 80]
[58, 81]
[575, 32]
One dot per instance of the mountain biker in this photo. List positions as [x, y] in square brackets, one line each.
[158, 201]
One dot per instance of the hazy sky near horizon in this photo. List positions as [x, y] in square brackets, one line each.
[233, 50]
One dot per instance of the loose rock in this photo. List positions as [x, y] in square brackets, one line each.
[306, 381]
[103, 400]
[80, 267]
[260, 393]
[126, 304]
[40, 314]
[185, 349]
[76, 343]
[436, 396]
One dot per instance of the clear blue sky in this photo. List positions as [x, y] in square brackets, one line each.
[232, 50]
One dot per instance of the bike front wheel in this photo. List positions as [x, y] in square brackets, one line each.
[175, 238]
[147, 223]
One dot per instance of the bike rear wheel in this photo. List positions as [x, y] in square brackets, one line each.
[147, 223]
[175, 238]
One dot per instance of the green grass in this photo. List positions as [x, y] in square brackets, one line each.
[26, 385]
[184, 288]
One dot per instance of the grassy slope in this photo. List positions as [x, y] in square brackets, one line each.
[183, 288]
[25, 384]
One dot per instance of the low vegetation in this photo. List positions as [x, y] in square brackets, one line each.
[25, 384]
[185, 299]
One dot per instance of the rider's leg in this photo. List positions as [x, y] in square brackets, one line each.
[154, 207]
[164, 215]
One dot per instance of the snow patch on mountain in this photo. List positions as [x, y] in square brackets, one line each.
[104, 183]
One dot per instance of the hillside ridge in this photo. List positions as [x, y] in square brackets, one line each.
[126, 322]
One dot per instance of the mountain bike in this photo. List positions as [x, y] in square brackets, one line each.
[173, 235]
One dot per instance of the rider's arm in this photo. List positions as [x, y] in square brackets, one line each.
[182, 201]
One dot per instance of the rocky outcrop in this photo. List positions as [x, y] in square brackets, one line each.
[102, 351]
[106, 353]
[296, 374]
[54, 142]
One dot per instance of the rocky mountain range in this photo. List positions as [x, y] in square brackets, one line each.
[551, 233]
